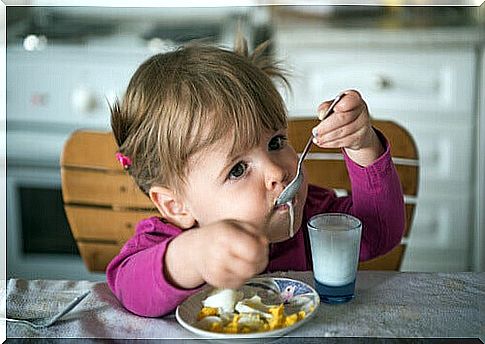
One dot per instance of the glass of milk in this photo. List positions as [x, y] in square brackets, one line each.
[335, 244]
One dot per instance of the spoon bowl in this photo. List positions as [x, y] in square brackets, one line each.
[292, 188]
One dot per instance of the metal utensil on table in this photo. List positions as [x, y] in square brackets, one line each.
[46, 322]
[292, 188]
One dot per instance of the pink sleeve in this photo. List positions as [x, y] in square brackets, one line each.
[136, 276]
[377, 200]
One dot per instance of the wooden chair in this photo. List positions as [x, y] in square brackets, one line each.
[326, 168]
[103, 204]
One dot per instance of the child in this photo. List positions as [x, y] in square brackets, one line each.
[202, 131]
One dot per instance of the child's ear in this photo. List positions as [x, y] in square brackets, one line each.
[172, 207]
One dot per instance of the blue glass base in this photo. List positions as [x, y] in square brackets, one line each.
[335, 295]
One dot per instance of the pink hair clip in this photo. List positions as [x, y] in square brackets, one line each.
[124, 160]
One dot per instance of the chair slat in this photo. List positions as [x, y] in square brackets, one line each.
[333, 174]
[410, 208]
[91, 149]
[390, 261]
[102, 188]
[402, 143]
[96, 256]
[104, 225]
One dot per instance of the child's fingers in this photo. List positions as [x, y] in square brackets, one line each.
[340, 129]
[225, 277]
[242, 270]
[248, 245]
[322, 109]
[247, 227]
[228, 271]
[238, 254]
[352, 140]
[249, 249]
[350, 100]
[234, 274]
[334, 122]
[340, 119]
[234, 270]
[256, 233]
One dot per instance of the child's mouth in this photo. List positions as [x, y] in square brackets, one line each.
[283, 207]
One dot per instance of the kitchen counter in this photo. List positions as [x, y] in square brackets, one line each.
[296, 34]
[372, 26]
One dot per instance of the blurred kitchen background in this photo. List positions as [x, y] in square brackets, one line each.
[422, 67]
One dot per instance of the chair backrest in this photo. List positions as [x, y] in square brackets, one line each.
[103, 204]
[326, 168]
[101, 201]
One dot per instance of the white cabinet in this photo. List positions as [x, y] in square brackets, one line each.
[430, 89]
[391, 80]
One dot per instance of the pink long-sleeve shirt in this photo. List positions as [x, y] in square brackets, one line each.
[136, 276]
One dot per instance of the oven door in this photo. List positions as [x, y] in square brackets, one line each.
[39, 242]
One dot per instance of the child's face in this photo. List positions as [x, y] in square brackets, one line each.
[245, 187]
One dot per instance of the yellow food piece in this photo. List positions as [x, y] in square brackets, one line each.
[207, 311]
[232, 327]
[278, 320]
[291, 319]
[216, 327]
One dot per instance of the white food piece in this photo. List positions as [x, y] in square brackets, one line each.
[251, 321]
[223, 299]
[205, 323]
[254, 305]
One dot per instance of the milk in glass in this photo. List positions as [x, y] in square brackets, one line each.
[335, 245]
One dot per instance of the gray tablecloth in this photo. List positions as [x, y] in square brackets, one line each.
[387, 304]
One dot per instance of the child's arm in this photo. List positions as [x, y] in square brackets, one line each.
[161, 265]
[377, 198]
[135, 274]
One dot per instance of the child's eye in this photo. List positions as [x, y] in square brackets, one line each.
[277, 142]
[238, 170]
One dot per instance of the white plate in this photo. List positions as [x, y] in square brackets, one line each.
[272, 290]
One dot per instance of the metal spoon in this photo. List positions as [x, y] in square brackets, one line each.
[292, 188]
[46, 322]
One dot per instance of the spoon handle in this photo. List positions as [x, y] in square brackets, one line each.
[327, 113]
[69, 307]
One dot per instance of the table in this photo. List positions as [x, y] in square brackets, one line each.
[387, 305]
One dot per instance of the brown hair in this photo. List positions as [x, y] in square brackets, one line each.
[181, 102]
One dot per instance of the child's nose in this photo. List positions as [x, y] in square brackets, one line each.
[275, 176]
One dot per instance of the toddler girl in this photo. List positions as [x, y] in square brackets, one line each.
[202, 131]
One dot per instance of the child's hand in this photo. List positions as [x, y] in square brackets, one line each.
[224, 254]
[230, 252]
[349, 127]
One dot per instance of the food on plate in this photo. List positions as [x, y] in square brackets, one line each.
[225, 311]
[223, 299]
